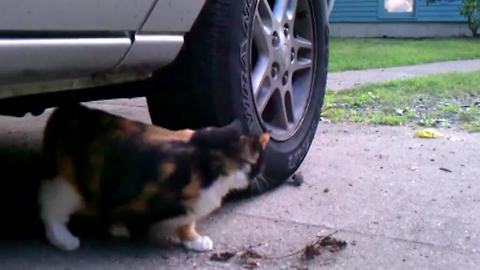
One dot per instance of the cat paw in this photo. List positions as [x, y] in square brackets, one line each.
[62, 238]
[203, 243]
[65, 242]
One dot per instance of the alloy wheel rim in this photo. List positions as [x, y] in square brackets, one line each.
[282, 64]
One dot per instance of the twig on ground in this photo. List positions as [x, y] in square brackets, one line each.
[250, 258]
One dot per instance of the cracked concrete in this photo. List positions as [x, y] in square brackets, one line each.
[379, 187]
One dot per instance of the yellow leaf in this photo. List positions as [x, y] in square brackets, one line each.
[427, 133]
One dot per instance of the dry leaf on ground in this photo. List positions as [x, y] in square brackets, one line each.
[323, 242]
[222, 256]
[332, 244]
[427, 133]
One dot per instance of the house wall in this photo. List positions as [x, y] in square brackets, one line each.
[443, 11]
[366, 18]
[370, 11]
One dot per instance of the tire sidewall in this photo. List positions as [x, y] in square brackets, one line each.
[282, 158]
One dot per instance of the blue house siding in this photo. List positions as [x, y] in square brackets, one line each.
[444, 11]
[355, 11]
[371, 11]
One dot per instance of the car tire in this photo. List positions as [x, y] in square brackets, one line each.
[213, 80]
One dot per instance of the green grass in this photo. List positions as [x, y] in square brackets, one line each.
[434, 101]
[472, 127]
[365, 53]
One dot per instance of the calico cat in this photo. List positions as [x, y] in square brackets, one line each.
[136, 174]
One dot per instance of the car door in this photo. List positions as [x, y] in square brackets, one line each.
[56, 39]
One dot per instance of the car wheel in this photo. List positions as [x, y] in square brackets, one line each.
[261, 63]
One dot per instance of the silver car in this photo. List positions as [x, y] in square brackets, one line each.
[261, 64]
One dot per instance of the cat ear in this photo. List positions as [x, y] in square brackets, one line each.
[264, 139]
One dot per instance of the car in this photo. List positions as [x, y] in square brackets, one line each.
[258, 64]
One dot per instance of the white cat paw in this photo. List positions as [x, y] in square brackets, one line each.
[203, 243]
[65, 242]
[60, 236]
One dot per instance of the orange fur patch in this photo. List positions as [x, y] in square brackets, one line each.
[264, 139]
[193, 188]
[127, 126]
[192, 191]
[66, 168]
[158, 134]
[167, 169]
[187, 232]
[138, 205]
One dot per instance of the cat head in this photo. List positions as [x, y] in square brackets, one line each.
[232, 149]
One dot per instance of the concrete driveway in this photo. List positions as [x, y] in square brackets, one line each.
[399, 202]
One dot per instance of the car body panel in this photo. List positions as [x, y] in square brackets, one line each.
[173, 16]
[26, 60]
[53, 86]
[150, 52]
[49, 44]
[73, 15]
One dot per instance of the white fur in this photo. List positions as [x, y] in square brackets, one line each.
[211, 197]
[209, 200]
[203, 243]
[59, 236]
[58, 200]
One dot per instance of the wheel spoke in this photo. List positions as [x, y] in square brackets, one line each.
[283, 113]
[303, 48]
[285, 10]
[280, 9]
[261, 34]
[265, 12]
[300, 43]
[264, 17]
[260, 75]
[300, 64]
[291, 10]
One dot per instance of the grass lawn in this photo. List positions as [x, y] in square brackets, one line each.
[434, 101]
[364, 53]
